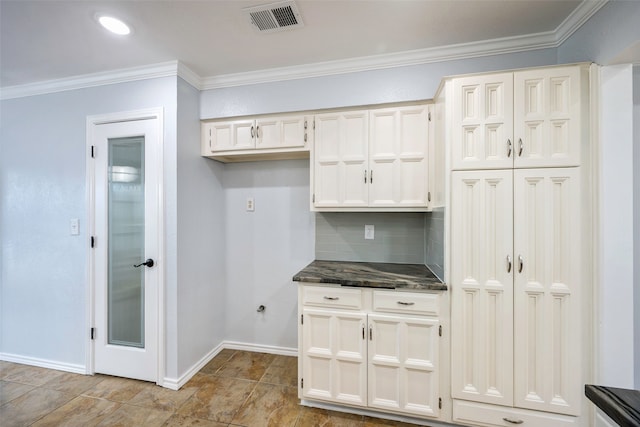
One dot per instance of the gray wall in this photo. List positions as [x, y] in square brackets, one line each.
[265, 248]
[200, 288]
[434, 241]
[371, 87]
[42, 186]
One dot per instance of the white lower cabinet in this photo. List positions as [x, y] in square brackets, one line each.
[370, 348]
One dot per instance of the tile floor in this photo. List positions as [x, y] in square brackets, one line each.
[236, 388]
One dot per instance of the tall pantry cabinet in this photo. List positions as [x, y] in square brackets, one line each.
[519, 237]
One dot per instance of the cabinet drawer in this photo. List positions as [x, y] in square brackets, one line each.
[404, 302]
[493, 415]
[325, 296]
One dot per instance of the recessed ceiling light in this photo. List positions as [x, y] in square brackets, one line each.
[114, 25]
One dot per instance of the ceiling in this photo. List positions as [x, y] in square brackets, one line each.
[50, 40]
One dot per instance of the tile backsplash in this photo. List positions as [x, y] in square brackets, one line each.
[399, 237]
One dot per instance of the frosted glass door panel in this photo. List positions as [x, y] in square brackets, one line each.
[126, 242]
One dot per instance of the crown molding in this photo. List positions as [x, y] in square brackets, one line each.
[163, 69]
[549, 39]
[581, 14]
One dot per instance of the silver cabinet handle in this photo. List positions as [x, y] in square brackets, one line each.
[331, 298]
[509, 145]
[257, 131]
[406, 303]
[362, 331]
[513, 421]
[370, 333]
[520, 147]
[520, 263]
[305, 137]
[252, 135]
[371, 177]
[508, 263]
[365, 176]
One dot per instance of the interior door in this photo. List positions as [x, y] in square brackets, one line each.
[125, 249]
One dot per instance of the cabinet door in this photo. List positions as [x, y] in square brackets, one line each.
[218, 136]
[403, 364]
[482, 286]
[280, 132]
[547, 246]
[340, 160]
[398, 145]
[482, 133]
[243, 135]
[334, 356]
[547, 107]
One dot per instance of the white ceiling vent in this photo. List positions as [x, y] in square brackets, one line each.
[270, 18]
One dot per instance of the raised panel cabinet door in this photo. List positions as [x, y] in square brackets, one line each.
[398, 146]
[334, 356]
[219, 136]
[482, 286]
[482, 123]
[403, 364]
[547, 107]
[268, 133]
[244, 132]
[547, 247]
[281, 132]
[340, 160]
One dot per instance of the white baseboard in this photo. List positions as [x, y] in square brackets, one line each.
[177, 383]
[259, 348]
[44, 363]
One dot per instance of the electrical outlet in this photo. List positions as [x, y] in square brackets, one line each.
[250, 204]
[369, 231]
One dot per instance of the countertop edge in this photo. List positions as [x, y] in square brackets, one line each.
[615, 403]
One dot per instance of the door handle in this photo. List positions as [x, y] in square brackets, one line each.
[148, 263]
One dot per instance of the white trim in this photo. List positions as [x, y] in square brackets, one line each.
[164, 69]
[260, 348]
[44, 363]
[177, 383]
[579, 16]
[92, 121]
[548, 39]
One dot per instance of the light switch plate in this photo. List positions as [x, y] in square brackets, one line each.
[74, 226]
[369, 231]
[250, 204]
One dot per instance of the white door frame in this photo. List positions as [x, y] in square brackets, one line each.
[92, 121]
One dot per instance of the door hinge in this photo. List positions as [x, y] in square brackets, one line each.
[302, 319]
[301, 382]
[439, 403]
[440, 330]
[429, 115]
[314, 198]
[93, 333]
[314, 125]
[93, 153]
[93, 242]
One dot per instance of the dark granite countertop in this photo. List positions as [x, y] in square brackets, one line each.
[621, 405]
[413, 277]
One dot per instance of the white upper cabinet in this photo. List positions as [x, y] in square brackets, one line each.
[547, 106]
[282, 136]
[523, 119]
[482, 122]
[340, 160]
[372, 159]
